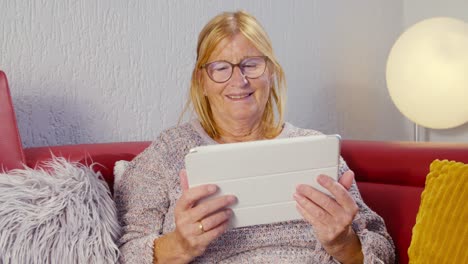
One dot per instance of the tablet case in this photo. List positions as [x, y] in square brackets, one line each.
[263, 175]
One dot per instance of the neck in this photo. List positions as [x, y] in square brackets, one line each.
[239, 132]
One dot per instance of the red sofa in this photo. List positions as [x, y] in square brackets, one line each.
[390, 175]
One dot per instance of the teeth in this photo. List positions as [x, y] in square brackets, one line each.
[238, 96]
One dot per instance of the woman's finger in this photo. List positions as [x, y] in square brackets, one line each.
[317, 224]
[198, 235]
[342, 197]
[208, 236]
[214, 220]
[347, 179]
[208, 207]
[193, 195]
[315, 214]
[324, 201]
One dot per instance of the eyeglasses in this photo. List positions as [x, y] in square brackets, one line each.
[250, 67]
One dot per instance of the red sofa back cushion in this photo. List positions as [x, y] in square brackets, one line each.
[398, 206]
[104, 154]
[11, 150]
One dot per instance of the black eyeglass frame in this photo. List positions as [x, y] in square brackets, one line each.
[205, 66]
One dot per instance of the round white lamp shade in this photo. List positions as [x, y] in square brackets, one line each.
[427, 73]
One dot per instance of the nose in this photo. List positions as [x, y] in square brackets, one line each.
[238, 78]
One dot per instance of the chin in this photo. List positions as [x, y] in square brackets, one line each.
[246, 115]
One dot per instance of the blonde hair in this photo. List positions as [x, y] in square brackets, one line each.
[224, 26]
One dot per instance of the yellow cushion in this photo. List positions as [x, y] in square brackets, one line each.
[440, 234]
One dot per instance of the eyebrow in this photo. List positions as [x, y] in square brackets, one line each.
[243, 58]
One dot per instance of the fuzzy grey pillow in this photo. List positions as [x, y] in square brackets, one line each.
[119, 169]
[64, 214]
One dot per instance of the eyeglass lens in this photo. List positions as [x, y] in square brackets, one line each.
[221, 71]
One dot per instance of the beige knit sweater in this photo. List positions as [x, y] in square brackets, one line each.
[148, 191]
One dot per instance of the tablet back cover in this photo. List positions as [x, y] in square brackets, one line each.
[263, 175]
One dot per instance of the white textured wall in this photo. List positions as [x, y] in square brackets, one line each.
[118, 70]
[417, 10]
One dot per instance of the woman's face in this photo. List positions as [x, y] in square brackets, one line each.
[239, 99]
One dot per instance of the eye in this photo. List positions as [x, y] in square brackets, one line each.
[250, 65]
[219, 66]
[222, 68]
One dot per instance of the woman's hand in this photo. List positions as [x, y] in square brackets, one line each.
[199, 222]
[331, 218]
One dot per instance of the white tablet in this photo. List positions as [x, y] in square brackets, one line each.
[263, 175]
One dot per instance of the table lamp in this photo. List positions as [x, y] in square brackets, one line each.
[427, 73]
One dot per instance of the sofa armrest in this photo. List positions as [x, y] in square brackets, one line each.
[11, 149]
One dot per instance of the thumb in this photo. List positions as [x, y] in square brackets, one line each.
[183, 180]
[347, 179]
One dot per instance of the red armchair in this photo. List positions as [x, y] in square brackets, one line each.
[390, 175]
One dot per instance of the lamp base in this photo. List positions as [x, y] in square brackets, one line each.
[416, 132]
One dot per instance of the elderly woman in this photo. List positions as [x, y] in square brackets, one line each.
[237, 87]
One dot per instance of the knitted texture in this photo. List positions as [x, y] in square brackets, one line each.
[150, 187]
[440, 234]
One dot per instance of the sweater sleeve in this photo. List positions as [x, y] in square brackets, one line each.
[377, 245]
[142, 202]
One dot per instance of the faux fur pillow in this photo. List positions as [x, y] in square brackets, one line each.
[63, 214]
[119, 169]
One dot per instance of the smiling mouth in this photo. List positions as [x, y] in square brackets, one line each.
[238, 96]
